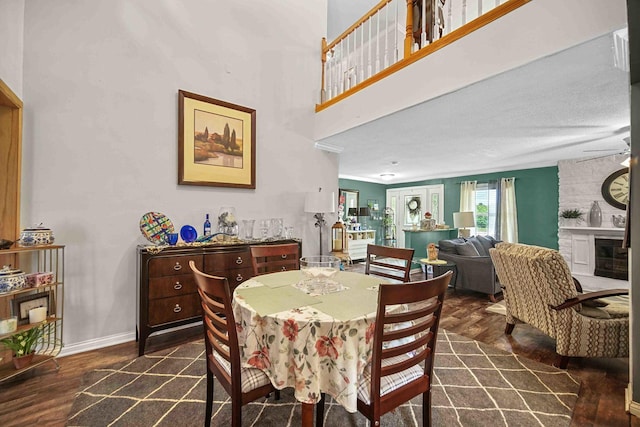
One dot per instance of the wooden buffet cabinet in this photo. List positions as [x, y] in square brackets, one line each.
[167, 292]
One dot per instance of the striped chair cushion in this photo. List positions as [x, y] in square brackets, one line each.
[390, 382]
[252, 378]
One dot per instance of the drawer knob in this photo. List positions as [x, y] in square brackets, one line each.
[283, 256]
[177, 267]
[239, 278]
[239, 260]
[284, 268]
[177, 286]
[177, 308]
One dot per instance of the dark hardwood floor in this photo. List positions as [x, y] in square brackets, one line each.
[44, 396]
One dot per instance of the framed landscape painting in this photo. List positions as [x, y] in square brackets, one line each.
[216, 142]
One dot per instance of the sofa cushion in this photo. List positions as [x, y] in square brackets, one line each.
[467, 249]
[449, 246]
[478, 245]
[487, 242]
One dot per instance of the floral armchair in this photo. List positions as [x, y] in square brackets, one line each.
[539, 290]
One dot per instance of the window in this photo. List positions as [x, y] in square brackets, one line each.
[486, 208]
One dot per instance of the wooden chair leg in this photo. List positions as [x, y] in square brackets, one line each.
[562, 362]
[426, 408]
[209, 403]
[509, 328]
[320, 411]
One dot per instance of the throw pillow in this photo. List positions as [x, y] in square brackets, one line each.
[487, 242]
[478, 245]
[449, 246]
[467, 249]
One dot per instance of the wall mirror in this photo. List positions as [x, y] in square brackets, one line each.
[349, 199]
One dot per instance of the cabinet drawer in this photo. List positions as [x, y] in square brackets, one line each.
[170, 286]
[165, 310]
[227, 260]
[235, 276]
[170, 266]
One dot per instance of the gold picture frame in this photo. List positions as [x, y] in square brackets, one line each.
[216, 142]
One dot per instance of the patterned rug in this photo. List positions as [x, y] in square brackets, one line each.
[473, 385]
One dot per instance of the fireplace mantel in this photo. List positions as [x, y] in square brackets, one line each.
[609, 231]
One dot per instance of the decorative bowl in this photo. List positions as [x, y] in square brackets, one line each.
[319, 268]
[36, 236]
[11, 279]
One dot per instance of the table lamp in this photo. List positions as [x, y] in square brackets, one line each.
[364, 213]
[462, 220]
[319, 203]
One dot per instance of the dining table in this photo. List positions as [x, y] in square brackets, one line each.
[312, 339]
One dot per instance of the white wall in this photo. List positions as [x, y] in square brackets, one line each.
[101, 80]
[11, 42]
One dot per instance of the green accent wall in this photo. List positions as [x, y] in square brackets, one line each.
[368, 191]
[536, 200]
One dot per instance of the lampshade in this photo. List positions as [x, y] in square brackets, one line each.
[463, 220]
[364, 211]
[320, 202]
[352, 212]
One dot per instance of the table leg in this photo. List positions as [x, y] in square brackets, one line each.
[307, 414]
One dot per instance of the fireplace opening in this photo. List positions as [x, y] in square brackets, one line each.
[612, 260]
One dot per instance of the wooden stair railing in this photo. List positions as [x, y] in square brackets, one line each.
[354, 60]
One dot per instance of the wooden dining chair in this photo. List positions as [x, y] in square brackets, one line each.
[243, 385]
[398, 373]
[273, 258]
[388, 262]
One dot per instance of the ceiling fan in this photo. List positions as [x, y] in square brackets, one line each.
[626, 151]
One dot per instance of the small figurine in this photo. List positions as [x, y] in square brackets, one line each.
[432, 252]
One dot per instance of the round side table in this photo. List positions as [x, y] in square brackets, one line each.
[440, 266]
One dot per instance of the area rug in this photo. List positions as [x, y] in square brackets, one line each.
[473, 385]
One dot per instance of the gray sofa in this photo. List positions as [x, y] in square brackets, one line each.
[475, 269]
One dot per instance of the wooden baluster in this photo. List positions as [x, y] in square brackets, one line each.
[378, 43]
[464, 12]
[479, 7]
[330, 93]
[408, 38]
[361, 52]
[447, 27]
[423, 21]
[396, 55]
[370, 64]
[323, 91]
[386, 37]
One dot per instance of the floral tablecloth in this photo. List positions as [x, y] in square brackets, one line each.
[311, 343]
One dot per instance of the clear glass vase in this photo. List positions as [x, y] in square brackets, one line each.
[226, 219]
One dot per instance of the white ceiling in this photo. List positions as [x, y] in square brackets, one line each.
[552, 109]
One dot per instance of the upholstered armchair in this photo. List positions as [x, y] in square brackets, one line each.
[539, 290]
[475, 270]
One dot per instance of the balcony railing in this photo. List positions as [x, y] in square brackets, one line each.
[393, 35]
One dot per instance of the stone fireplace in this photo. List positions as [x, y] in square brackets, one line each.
[579, 184]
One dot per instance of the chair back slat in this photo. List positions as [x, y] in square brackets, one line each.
[394, 368]
[391, 263]
[273, 258]
[412, 346]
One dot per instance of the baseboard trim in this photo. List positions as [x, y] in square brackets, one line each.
[97, 343]
[630, 406]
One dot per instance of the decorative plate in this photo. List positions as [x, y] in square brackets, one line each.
[155, 226]
[188, 233]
